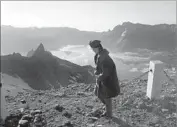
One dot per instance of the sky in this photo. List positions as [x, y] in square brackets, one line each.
[86, 15]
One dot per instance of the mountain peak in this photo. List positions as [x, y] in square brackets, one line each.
[127, 23]
[40, 47]
[40, 51]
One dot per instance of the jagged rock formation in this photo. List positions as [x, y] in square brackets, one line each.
[43, 70]
[40, 50]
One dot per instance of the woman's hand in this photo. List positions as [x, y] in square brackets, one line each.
[98, 78]
[96, 72]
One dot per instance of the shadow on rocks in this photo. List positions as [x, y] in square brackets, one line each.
[13, 119]
[120, 122]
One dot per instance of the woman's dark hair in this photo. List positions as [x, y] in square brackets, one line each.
[100, 47]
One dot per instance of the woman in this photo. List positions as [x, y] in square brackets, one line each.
[107, 81]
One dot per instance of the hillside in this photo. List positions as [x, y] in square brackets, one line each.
[10, 87]
[152, 37]
[77, 106]
[43, 70]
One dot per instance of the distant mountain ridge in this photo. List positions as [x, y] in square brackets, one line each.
[42, 70]
[153, 37]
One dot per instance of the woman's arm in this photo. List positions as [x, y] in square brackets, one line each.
[107, 66]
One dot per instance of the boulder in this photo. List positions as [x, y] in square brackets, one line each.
[23, 123]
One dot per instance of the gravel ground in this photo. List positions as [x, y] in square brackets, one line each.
[77, 106]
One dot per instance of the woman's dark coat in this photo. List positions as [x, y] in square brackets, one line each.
[108, 84]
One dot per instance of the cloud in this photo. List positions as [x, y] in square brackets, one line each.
[79, 54]
[134, 70]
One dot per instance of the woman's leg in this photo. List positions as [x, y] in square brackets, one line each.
[108, 103]
[99, 94]
[102, 99]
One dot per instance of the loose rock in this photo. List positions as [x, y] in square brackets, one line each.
[36, 112]
[23, 123]
[59, 108]
[67, 114]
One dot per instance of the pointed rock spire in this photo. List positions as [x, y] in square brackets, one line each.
[40, 50]
[40, 47]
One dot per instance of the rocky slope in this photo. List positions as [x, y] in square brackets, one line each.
[154, 37]
[77, 106]
[43, 70]
[10, 86]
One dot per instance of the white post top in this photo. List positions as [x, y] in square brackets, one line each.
[156, 62]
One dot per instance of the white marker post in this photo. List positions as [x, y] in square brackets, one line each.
[155, 79]
[0, 99]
